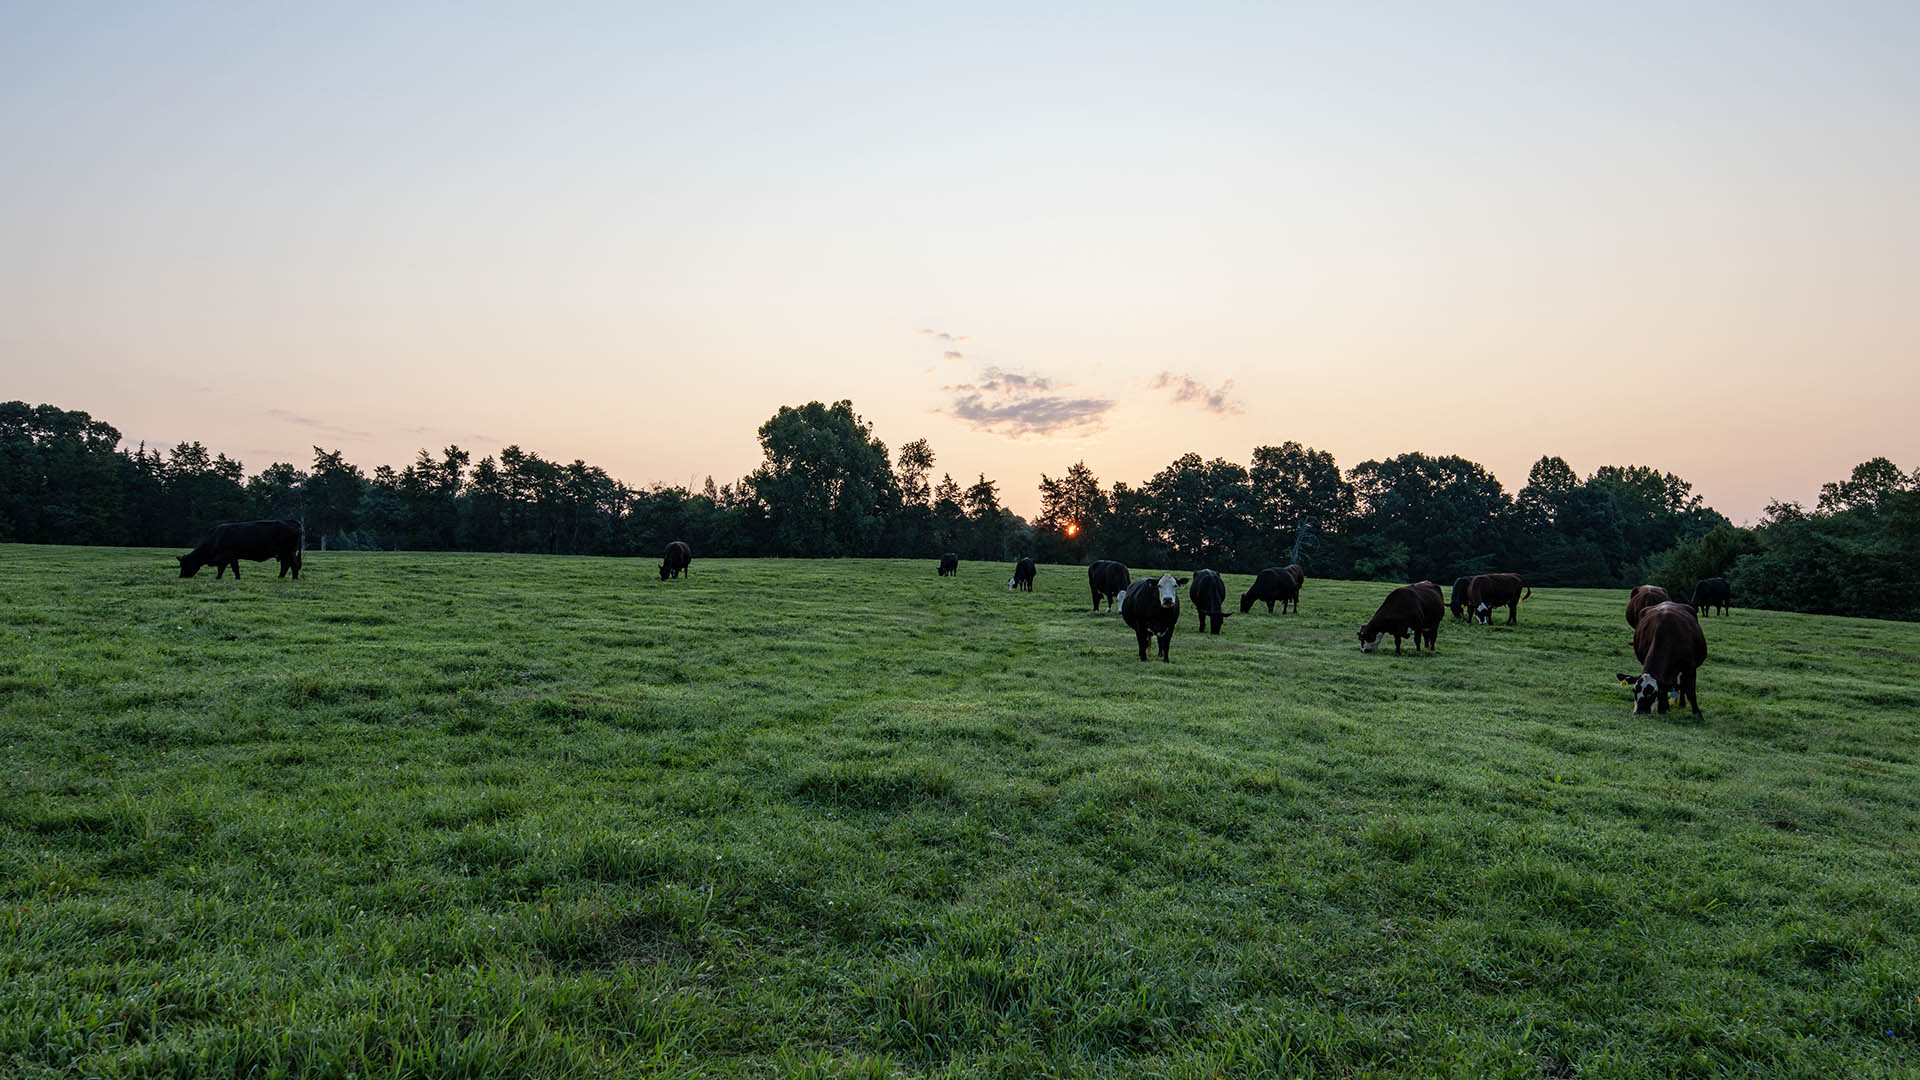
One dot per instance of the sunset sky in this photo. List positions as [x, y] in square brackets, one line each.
[1684, 235]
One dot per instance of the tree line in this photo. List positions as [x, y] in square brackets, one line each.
[827, 487]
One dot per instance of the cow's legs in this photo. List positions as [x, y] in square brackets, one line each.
[1513, 613]
[1691, 690]
[1143, 635]
[1166, 639]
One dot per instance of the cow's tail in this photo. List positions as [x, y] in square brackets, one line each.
[1529, 595]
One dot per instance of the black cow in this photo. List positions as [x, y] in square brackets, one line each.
[1408, 611]
[1209, 592]
[1458, 601]
[1152, 606]
[679, 557]
[1489, 591]
[1022, 575]
[950, 565]
[1274, 584]
[1711, 593]
[1641, 598]
[1670, 647]
[254, 541]
[1109, 579]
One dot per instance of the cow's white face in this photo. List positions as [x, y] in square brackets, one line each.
[1168, 586]
[1011, 582]
[1484, 614]
[1646, 695]
[1368, 644]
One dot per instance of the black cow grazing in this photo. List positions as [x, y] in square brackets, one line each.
[1109, 579]
[1022, 575]
[1489, 591]
[1642, 598]
[254, 541]
[1408, 611]
[679, 557]
[1152, 606]
[1670, 647]
[1711, 593]
[1458, 601]
[950, 565]
[1209, 592]
[1274, 584]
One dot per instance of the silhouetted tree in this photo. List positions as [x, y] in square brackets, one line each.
[826, 486]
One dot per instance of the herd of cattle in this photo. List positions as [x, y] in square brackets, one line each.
[1667, 639]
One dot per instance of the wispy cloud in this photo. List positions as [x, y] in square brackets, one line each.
[952, 355]
[941, 335]
[1014, 404]
[318, 425]
[1188, 389]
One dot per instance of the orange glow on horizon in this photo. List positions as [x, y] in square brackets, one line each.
[1072, 528]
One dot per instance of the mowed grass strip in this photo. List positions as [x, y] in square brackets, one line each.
[482, 815]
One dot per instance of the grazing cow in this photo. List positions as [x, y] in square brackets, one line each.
[1408, 611]
[1670, 647]
[679, 557]
[1209, 592]
[1458, 601]
[1711, 593]
[950, 565]
[1489, 591]
[1152, 606]
[1109, 579]
[1274, 584]
[1022, 575]
[1642, 598]
[254, 541]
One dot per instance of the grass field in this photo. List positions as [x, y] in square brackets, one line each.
[460, 815]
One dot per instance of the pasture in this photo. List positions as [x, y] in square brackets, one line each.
[465, 815]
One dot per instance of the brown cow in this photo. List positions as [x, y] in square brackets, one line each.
[1642, 598]
[1410, 610]
[678, 560]
[1670, 647]
[1489, 591]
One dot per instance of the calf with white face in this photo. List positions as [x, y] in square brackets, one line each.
[1152, 606]
[1670, 647]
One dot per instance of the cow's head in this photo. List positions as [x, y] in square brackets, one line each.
[1368, 644]
[1168, 587]
[189, 565]
[1246, 601]
[1483, 614]
[664, 572]
[1648, 694]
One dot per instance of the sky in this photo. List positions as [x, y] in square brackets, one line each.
[1673, 234]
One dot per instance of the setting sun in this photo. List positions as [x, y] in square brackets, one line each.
[1072, 528]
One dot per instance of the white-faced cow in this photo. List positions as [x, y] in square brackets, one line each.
[1670, 647]
[950, 564]
[1710, 593]
[1022, 575]
[1409, 611]
[1209, 595]
[1641, 598]
[1152, 606]
[1489, 591]
[1109, 579]
[254, 541]
[679, 557]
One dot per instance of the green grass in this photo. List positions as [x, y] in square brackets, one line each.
[448, 815]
